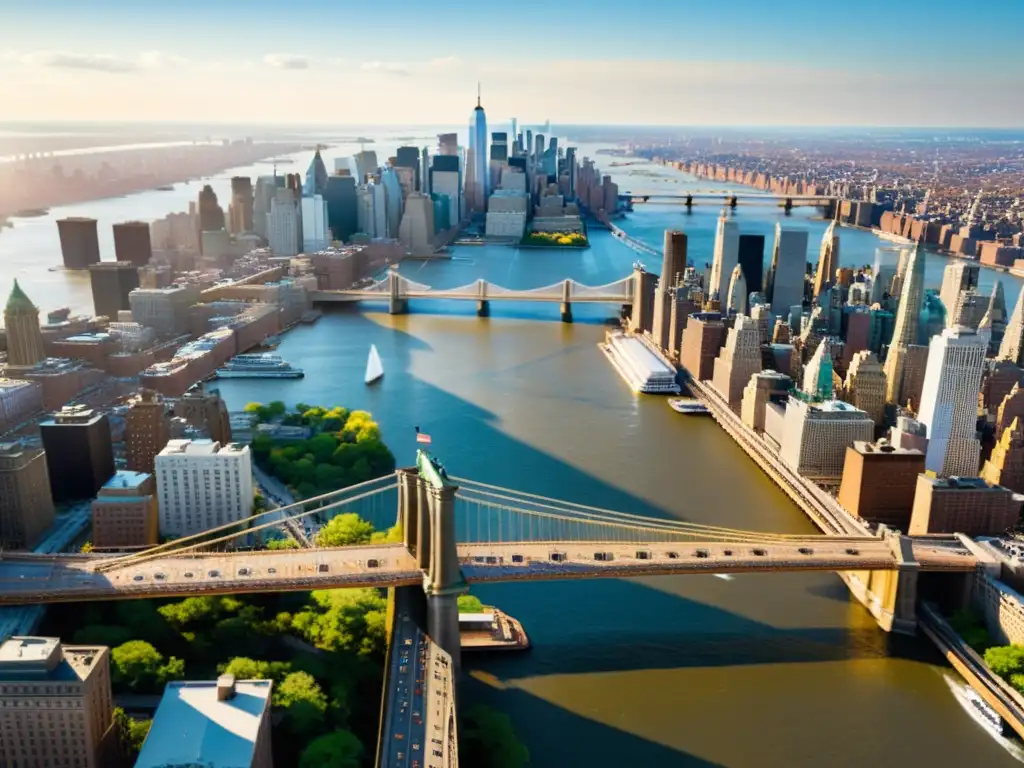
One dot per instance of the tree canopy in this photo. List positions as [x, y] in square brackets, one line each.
[141, 667]
[470, 604]
[344, 620]
[303, 702]
[244, 668]
[340, 749]
[345, 530]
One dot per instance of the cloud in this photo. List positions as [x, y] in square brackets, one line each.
[386, 67]
[286, 61]
[96, 62]
[160, 60]
[443, 64]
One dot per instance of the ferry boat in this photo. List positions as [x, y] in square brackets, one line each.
[643, 370]
[258, 367]
[688, 405]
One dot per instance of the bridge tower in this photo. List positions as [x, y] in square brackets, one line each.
[733, 202]
[689, 203]
[426, 511]
[483, 306]
[788, 205]
[566, 305]
[398, 302]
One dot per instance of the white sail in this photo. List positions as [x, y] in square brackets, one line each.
[374, 367]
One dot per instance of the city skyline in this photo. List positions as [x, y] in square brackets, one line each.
[776, 66]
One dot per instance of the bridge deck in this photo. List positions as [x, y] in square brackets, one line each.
[26, 579]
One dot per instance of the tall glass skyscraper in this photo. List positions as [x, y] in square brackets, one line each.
[478, 144]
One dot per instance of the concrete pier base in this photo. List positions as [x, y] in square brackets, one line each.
[398, 306]
[566, 310]
[483, 308]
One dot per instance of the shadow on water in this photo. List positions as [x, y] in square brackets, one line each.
[581, 741]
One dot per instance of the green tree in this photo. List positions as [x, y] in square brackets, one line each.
[130, 733]
[286, 543]
[488, 740]
[1005, 660]
[262, 445]
[140, 667]
[340, 749]
[303, 703]
[322, 447]
[344, 620]
[301, 408]
[392, 535]
[345, 530]
[260, 410]
[470, 604]
[244, 668]
[87, 547]
[276, 409]
[195, 610]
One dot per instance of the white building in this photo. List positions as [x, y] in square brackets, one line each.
[726, 256]
[283, 226]
[738, 295]
[786, 275]
[201, 485]
[949, 402]
[316, 235]
[815, 436]
[506, 214]
[417, 229]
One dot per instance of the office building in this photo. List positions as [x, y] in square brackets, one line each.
[315, 233]
[147, 430]
[477, 171]
[211, 215]
[763, 387]
[111, 283]
[222, 723]
[673, 262]
[1005, 467]
[55, 704]
[958, 276]
[316, 176]
[968, 311]
[703, 337]
[202, 485]
[887, 274]
[165, 310]
[26, 504]
[865, 385]
[446, 179]
[417, 228]
[750, 253]
[206, 412]
[366, 164]
[965, 505]
[283, 223]
[828, 260]
[1011, 407]
[725, 255]
[241, 205]
[817, 381]
[79, 454]
[879, 482]
[124, 512]
[736, 298]
[79, 242]
[784, 283]
[393, 200]
[905, 331]
[266, 186]
[815, 436]
[19, 401]
[24, 337]
[132, 243]
[342, 208]
[740, 359]
[949, 402]
[1012, 346]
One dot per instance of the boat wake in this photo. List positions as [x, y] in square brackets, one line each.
[724, 576]
[981, 713]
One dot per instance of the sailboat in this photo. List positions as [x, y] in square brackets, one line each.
[374, 367]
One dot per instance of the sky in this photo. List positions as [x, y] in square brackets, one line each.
[417, 62]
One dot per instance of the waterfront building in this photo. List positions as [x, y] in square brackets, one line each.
[641, 319]
[879, 482]
[1006, 465]
[702, 338]
[828, 260]
[26, 504]
[24, 337]
[207, 413]
[416, 232]
[124, 512]
[55, 703]
[949, 402]
[165, 310]
[132, 243]
[958, 276]
[905, 331]
[241, 207]
[507, 212]
[202, 485]
[815, 436]
[112, 282]
[226, 722]
[865, 385]
[784, 283]
[283, 223]
[739, 360]
[641, 368]
[673, 262]
[736, 302]
[478, 146]
[147, 430]
[750, 253]
[763, 387]
[725, 256]
[965, 505]
[79, 242]
[79, 453]
[1012, 346]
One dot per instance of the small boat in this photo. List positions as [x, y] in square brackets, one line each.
[374, 367]
[688, 405]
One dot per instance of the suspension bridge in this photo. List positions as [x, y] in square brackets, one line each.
[728, 199]
[397, 290]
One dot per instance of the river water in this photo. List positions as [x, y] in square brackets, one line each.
[771, 670]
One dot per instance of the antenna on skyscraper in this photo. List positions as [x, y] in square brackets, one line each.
[478, 93]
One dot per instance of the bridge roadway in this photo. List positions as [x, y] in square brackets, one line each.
[32, 579]
[725, 198]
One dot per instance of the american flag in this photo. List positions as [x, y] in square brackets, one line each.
[422, 437]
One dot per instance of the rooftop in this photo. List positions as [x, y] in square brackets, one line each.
[24, 658]
[124, 478]
[193, 727]
[201, 448]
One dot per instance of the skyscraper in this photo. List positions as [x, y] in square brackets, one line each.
[316, 176]
[736, 298]
[784, 284]
[79, 454]
[265, 187]
[187, 508]
[342, 208]
[817, 383]
[409, 157]
[79, 242]
[147, 430]
[392, 200]
[478, 145]
[283, 227]
[828, 260]
[211, 215]
[906, 329]
[241, 204]
[739, 360]
[751, 259]
[26, 503]
[366, 164]
[132, 242]
[865, 385]
[111, 283]
[949, 402]
[958, 276]
[1012, 346]
[24, 337]
[726, 256]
